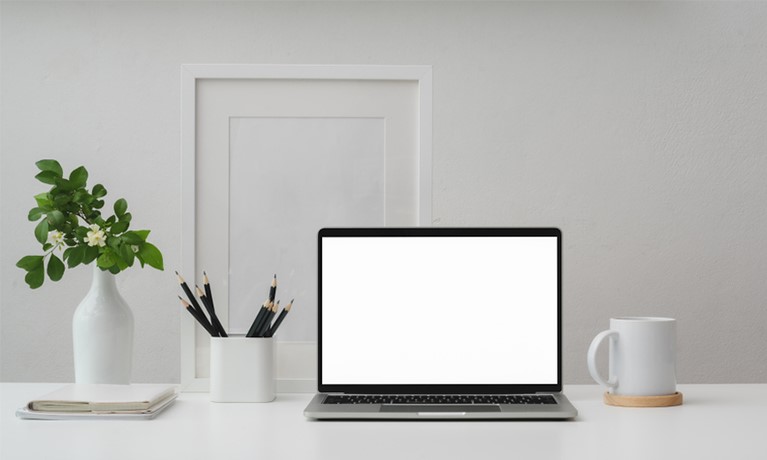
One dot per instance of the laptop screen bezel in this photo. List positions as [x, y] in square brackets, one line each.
[439, 232]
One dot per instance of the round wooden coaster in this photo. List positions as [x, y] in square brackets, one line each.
[643, 401]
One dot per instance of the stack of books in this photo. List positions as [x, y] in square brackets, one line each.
[75, 401]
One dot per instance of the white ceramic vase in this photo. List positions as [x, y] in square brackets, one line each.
[102, 333]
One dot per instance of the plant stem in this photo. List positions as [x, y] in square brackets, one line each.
[82, 216]
[52, 249]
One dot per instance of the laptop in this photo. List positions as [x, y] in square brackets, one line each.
[440, 323]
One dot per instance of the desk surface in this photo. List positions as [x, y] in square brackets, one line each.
[716, 421]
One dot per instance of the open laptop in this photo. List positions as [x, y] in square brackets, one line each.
[440, 323]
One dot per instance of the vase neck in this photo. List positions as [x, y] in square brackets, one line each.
[103, 280]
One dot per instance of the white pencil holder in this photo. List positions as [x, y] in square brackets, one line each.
[241, 369]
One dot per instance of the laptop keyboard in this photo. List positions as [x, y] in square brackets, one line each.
[439, 399]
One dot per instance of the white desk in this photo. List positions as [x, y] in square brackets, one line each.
[716, 422]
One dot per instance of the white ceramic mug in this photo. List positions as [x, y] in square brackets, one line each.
[642, 356]
[241, 369]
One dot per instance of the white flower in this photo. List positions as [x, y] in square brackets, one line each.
[134, 248]
[96, 237]
[55, 237]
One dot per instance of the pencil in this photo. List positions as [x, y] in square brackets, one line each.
[273, 289]
[277, 323]
[266, 324]
[212, 313]
[203, 323]
[189, 294]
[264, 320]
[206, 285]
[257, 322]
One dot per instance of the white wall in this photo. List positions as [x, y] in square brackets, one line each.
[638, 128]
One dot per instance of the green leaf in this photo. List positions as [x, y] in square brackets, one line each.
[98, 204]
[43, 200]
[120, 264]
[50, 165]
[47, 247]
[76, 256]
[30, 263]
[56, 218]
[79, 177]
[99, 191]
[55, 268]
[106, 259]
[35, 278]
[132, 237]
[126, 217]
[73, 208]
[41, 231]
[47, 177]
[62, 200]
[65, 185]
[113, 243]
[119, 227]
[151, 255]
[67, 251]
[91, 252]
[115, 269]
[34, 214]
[120, 207]
[82, 232]
[126, 254]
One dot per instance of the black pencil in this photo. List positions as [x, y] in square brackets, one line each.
[208, 292]
[189, 294]
[273, 289]
[212, 313]
[195, 315]
[260, 326]
[257, 321]
[267, 323]
[277, 323]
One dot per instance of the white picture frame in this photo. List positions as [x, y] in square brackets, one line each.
[208, 88]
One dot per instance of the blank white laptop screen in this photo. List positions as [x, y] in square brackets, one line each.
[439, 310]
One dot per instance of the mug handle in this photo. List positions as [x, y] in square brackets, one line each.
[592, 357]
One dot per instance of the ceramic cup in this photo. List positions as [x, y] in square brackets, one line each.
[241, 369]
[642, 356]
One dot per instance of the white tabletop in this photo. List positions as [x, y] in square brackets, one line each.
[716, 421]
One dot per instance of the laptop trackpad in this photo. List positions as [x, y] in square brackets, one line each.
[436, 408]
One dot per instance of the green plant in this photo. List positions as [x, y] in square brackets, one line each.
[70, 221]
